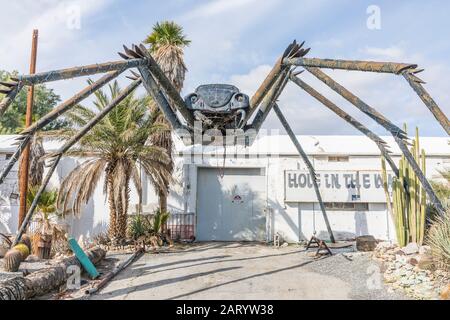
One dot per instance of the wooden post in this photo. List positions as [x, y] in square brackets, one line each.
[25, 161]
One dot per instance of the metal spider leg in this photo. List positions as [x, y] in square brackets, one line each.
[53, 115]
[11, 90]
[56, 157]
[308, 164]
[75, 72]
[367, 66]
[416, 84]
[154, 91]
[382, 145]
[294, 50]
[163, 82]
[268, 102]
[398, 134]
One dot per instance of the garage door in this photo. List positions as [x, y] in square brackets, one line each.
[231, 208]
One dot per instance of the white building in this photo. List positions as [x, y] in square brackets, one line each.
[256, 191]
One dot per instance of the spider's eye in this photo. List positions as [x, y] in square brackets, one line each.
[194, 99]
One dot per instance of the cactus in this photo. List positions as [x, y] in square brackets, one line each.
[409, 198]
[17, 255]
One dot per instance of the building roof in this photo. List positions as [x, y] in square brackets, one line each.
[282, 145]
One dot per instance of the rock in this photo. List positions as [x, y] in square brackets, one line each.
[414, 261]
[426, 262]
[425, 250]
[411, 248]
[366, 243]
[445, 293]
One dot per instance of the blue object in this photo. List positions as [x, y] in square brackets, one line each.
[83, 258]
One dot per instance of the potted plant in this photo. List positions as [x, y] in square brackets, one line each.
[45, 217]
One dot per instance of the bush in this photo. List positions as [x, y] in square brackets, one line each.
[139, 226]
[439, 239]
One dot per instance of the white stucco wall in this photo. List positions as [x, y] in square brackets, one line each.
[295, 221]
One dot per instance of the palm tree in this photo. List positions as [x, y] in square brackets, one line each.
[167, 42]
[115, 147]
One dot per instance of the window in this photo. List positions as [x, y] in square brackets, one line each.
[338, 159]
[347, 206]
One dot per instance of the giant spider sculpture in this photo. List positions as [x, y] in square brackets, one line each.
[220, 108]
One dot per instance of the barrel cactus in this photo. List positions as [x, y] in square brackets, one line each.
[16, 255]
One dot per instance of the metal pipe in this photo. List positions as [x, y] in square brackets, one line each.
[15, 157]
[368, 66]
[153, 90]
[76, 99]
[122, 95]
[9, 98]
[81, 71]
[357, 102]
[33, 206]
[25, 163]
[398, 134]
[308, 164]
[349, 119]
[58, 154]
[428, 100]
[169, 89]
[270, 100]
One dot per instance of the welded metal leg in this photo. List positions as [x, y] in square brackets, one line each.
[361, 105]
[164, 83]
[9, 98]
[269, 101]
[382, 145]
[23, 142]
[51, 116]
[33, 206]
[398, 134]
[308, 164]
[71, 142]
[414, 82]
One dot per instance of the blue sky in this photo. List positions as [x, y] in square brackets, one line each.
[237, 41]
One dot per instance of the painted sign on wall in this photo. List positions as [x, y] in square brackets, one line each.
[336, 186]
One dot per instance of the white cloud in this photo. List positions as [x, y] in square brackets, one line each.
[394, 52]
[216, 7]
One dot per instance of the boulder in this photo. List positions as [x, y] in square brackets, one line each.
[411, 248]
[425, 250]
[366, 243]
[426, 262]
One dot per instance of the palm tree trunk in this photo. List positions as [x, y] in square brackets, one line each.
[113, 223]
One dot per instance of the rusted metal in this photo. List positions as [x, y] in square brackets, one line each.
[23, 142]
[81, 71]
[56, 156]
[29, 215]
[382, 145]
[368, 66]
[165, 84]
[427, 100]
[153, 90]
[308, 164]
[68, 104]
[294, 50]
[357, 102]
[9, 98]
[398, 134]
[270, 99]
[25, 163]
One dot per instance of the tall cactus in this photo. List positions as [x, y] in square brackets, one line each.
[409, 198]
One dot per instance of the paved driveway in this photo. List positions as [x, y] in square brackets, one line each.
[244, 271]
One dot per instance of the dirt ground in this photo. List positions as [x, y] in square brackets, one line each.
[236, 271]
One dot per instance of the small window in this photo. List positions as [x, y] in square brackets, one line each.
[346, 206]
[338, 159]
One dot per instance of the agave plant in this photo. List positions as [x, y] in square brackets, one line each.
[439, 239]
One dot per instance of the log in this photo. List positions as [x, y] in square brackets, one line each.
[45, 280]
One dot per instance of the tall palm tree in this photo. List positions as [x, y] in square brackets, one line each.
[167, 42]
[115, 147]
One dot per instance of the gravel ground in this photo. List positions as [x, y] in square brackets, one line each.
[249, 271]
[360, 271]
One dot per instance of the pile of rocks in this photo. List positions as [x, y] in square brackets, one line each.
[412, 270]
